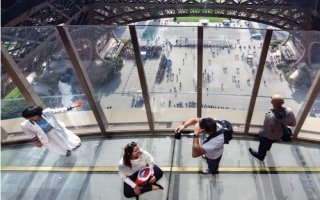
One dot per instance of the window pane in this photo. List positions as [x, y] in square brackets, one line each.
[289, 71]
[170, 62]
[42, 59]
[106, 52]
[311, 124]
[230, 60]
[12, 103]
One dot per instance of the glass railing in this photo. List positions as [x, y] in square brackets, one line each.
[169, 56]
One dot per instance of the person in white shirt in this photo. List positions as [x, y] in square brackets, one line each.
[212, 147]
[133, 160]
[45, 130]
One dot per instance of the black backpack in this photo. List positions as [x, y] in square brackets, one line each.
[226, 130]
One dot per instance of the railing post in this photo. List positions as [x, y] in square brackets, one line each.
[307, 104]
[31, 97]
[142, 76]
[256, 85]
[199, 70]
[83, 78]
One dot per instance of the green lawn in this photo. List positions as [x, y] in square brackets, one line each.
[196, 19]
[14, 94]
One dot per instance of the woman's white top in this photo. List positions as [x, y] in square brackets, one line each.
[142, 161]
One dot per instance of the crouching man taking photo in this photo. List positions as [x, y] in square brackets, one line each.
[212, 147]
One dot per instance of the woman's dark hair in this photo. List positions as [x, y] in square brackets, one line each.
[32, 111]
[127, 154]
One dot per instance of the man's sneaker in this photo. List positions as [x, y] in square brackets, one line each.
[205, 171]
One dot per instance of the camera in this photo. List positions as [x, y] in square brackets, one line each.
[177, 135]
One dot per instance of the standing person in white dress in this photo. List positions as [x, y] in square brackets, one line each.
[45, 130]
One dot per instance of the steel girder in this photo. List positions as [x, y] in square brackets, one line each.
[33, 46]
[257, 15]
[52, 12]
[285, 14]
[288, 15]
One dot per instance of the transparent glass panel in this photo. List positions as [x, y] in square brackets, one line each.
[12, 103]
[310, 126]
[170, 62]
[107, 54]
[289, 71]
[230, 60]
[39, 53]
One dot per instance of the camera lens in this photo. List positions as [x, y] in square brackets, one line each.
[177, 136]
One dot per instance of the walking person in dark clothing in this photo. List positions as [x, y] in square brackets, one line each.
[272, 130]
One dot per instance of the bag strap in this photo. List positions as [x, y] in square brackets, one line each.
[213, 135]
[282, 125]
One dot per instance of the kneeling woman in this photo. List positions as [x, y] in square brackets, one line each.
[133, 161]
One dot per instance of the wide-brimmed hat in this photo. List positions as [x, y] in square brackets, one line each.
[143, 176]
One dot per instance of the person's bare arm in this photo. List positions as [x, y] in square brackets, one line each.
[189, 122]
[197, 150]
[37, 143]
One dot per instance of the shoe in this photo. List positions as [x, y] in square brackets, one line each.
[158, 185]
[205, 171]
[254, 154]
[68, 153]
[216, 172]
[76, 147]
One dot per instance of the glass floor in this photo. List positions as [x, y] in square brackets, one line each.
[290, 171]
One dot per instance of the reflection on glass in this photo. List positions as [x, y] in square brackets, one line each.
[12, 101]
[49, 69]
[311, 124]
[11, 107]
[108, 57]
[230, 60]
[42, 59]
[169, 57]
[289, 71]
[12, 104]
